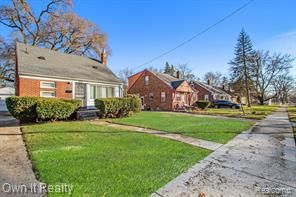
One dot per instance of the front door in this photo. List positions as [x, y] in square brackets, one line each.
[80, 92]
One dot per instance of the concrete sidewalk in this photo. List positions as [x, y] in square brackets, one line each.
[261, 163]
[15, 167]
[188, 140]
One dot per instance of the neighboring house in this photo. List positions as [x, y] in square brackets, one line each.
[209, 93]
[4, 93]
[159, 91]
[47, 73]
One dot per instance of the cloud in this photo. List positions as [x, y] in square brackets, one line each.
[281, 43]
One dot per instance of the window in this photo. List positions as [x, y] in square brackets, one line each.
[178, 97]
[110, 92]
[47, 84]
[206, 97]
[162, 96]
[92, 92]
[48, 94]
[151, 96]
[146, 80]
[101, 92]
[194, 97]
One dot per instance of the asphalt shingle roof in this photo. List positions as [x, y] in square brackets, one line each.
[170, 80]
[48, 63]
[212, 89]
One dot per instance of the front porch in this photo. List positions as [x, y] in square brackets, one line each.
[88, 92]
[183, 101]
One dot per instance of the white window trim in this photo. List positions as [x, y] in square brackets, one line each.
[41, 84]
[48, 96]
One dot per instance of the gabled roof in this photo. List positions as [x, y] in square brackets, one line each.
[41, 62]
[168, 79]
[212, 89]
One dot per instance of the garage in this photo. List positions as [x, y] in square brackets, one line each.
[4, 93]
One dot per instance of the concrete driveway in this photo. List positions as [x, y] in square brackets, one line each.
[260, 163]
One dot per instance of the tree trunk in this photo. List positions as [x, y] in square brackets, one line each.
[247, 84]
[261, 100]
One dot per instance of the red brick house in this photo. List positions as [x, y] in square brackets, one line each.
[47, 73]
[207, 92]
[159, 91]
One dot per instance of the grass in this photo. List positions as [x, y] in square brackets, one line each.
[257, 112]
[292, 116]
[211, 129]
[99, 161]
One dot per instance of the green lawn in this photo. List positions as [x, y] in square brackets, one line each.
[103, 161]
[212, 129]
[255, 112]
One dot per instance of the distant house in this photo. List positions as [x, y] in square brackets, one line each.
[47, 73]
[209, 93]
[4, 93]
[159, 91]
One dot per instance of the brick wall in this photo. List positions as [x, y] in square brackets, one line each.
[31, 87]
[155, 86]
[202, 92]
[132, 79]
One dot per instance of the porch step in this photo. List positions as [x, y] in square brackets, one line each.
[87, 114]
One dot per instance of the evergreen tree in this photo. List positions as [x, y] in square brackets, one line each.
[172, 70]
[167, 68]
[241, 64]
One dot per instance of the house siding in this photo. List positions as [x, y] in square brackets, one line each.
[155, 86]
[186, 94]
[31, 87]
[202, 92]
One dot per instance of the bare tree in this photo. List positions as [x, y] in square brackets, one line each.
[215, 78]
[284, 87]
[186, 72]
[124, 74]
[7, 54]
[55, 27]
[266, 70]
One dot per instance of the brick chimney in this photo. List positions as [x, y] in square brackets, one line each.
[209, 82]
[178, 74]
[103, 56]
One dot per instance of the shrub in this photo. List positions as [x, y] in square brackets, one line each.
[135, 102]
[77, 103]
[23, 108]
[118, 107]
[202, 104]
[28, 109]
[54, 109]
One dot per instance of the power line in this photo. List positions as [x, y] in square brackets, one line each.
[198, 34]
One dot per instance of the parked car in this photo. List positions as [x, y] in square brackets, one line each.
[225, 104]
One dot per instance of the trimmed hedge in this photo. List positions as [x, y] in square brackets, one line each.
[23, 108]
[29, 109]
[118, 107]
[202, 104]
[54, 109]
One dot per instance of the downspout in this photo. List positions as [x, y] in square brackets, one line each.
[16, 82]
[173, 98]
